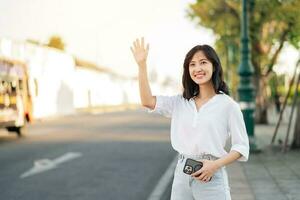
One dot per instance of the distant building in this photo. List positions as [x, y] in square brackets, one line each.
[60, 83]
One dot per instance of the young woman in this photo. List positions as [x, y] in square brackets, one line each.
[203, 117]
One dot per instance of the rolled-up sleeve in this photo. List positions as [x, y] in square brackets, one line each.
[238, 132]
[164, 105]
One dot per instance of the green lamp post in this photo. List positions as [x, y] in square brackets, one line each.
[246, 89]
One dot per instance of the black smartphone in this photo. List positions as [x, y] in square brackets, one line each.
[192, 166]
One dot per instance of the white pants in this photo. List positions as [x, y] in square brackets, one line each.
[185, 187]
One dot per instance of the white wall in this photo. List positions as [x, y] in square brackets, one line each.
[50, 76]
[96, 89]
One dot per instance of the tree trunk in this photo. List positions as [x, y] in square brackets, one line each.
[296, 139]
[261, 111]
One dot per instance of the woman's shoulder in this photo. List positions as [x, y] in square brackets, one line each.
[170, 98]
[229, 101]
[175, 96]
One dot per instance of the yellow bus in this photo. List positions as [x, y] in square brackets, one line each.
[15, 99]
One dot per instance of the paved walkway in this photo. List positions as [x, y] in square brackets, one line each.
[270, 175]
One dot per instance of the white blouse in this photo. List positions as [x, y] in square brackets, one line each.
[206, 130]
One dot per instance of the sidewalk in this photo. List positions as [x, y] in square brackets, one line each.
[108, 108]
[92, 110]
[270, 175]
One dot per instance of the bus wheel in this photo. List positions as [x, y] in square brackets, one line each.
[21, 131]
[11, 129]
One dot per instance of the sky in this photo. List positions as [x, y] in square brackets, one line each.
[103, 31]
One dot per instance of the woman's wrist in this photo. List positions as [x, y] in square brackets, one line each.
[219, 163]
[142, 64]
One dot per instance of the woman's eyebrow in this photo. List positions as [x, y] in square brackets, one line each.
[202, 59]
[199, 60]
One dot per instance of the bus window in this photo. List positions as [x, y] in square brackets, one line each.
[21, 85]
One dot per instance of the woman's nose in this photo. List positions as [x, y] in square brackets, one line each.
[199, 69]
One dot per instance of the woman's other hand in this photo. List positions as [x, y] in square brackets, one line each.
[207, 171]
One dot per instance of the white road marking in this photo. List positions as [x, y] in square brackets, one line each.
[164, 181]
[43, 165]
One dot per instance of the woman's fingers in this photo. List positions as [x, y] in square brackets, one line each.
[200, 175]
[138, 43]
[140, 46]
[197, 173]
[204, 178]
[142, 42]
[134, 45]
[132, 50]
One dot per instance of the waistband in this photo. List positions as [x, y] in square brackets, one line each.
[205, 156]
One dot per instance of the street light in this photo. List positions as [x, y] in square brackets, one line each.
[246, 88]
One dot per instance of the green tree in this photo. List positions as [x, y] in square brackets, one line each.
[272, 24]
[56, 42]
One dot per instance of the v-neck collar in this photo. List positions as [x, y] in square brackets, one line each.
[205, 104]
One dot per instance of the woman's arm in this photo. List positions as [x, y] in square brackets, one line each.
[211, 166]
[229, 158]
[147, 99]
[140, 53]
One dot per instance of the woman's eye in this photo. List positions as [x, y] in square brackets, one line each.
[202, 63]
[192, 65]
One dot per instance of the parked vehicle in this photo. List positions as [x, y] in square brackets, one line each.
[15, 99]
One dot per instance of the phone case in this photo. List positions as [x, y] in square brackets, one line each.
[192, 166]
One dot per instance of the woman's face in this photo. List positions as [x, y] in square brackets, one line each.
[200, 68]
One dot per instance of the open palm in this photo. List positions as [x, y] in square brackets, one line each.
[140, 51]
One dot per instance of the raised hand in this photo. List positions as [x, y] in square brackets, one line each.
[140, 51]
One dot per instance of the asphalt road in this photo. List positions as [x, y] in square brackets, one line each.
[120, 155]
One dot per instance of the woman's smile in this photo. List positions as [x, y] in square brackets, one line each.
[199, 75]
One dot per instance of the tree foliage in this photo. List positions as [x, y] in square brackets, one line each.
[272, 23]
[56, 42]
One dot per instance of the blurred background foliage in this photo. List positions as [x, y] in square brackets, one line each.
[271, 25]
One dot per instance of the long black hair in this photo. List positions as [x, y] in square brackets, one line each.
[190, 88]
